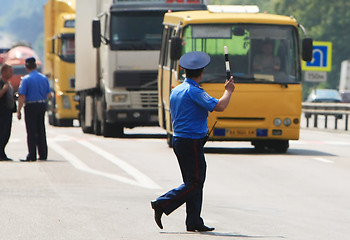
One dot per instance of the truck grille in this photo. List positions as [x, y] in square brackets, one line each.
[148, 100]
[136, 79]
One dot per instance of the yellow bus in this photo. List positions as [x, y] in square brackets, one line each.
[265, 58]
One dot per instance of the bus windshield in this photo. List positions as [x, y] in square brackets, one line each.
[136, 30]
[257, 53]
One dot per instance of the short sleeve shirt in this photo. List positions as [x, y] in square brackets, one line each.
[189, 107]
[35, 86]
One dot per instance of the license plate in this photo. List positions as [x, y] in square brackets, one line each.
[240, 132]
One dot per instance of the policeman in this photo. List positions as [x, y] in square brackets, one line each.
[33, 92]
[189, 106]
[7, 105]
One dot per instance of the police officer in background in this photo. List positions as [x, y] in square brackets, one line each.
[189, 106]
[7, 105]
[33, 92]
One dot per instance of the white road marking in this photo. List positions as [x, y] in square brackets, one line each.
[314, 142]
[140, 179]
[322, 160]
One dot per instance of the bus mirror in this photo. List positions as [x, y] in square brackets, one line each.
[175, 48]
[307, 49]
[96, 33]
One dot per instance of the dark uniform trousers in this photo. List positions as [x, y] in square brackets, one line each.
[5, 129]
[190, 155]
[36, 134]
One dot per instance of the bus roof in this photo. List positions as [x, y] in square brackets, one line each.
[121, 7]
[200, 17]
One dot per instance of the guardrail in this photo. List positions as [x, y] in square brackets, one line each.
[337, 110]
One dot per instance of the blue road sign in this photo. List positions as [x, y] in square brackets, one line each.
[322, 58]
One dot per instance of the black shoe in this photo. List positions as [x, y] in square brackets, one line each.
[5, 159]
[27, 160]
[158, 212]
[202, 228]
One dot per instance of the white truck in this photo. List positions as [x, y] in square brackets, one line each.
[117, 52]
[344, 84]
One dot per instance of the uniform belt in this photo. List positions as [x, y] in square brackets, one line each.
[39, 101]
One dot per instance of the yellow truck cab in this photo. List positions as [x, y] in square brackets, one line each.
[59, 60]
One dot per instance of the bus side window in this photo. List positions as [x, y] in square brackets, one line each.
[163, 53]
[171, 34]
[165, 58]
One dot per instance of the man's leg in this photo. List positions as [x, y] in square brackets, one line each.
[192, 174]
[41, 140]
[30, 112]
[194, 204]
[5, 131]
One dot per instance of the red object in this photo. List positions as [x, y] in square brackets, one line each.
[16, 58]
[182, 1]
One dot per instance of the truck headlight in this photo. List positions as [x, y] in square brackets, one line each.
[65, 101]
[119, 98]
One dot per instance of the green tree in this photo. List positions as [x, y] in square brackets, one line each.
[325, 21]
[264, 6]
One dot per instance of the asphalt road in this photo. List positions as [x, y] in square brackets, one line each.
[100, 188]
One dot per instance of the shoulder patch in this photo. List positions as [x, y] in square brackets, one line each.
[206, 95]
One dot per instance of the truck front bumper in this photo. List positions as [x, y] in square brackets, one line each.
[133, 117]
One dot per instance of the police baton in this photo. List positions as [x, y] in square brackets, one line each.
[227, 62]
[208, 134]
[228, 76]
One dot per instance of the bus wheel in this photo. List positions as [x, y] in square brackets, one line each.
[169, 140]
[259, 146]
[280, 146]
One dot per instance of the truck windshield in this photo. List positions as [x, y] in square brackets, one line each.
[68, 48]
[136, 30]
[257, 53]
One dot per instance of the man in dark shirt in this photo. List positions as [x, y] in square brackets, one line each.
[7, 104]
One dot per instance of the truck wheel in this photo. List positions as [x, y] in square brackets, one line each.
[64, 122]
[51, 110]
[52, 119]
[118, 130]
[96, 121]
[82, 115]
[111, 130]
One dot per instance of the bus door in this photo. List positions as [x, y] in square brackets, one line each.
[166, 70]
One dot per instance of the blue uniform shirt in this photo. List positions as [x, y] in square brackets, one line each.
[35, 86]
[189, 106]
